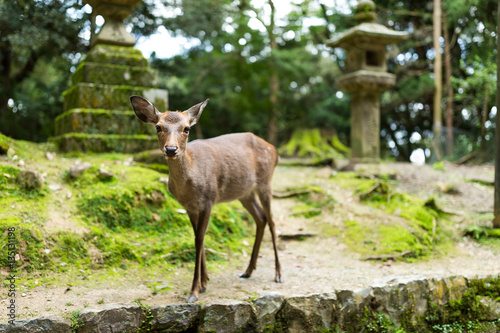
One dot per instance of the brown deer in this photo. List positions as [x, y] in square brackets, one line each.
[205, 172]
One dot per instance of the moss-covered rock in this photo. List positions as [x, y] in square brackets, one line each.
[314, 143]
[112, 97]
[101, 121]
[4, 144]
[114, 74]
[117, 55]
[104, 143]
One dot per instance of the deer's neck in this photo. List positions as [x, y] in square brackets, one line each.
[179, 169]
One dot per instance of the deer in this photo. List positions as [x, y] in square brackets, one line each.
[202, 173]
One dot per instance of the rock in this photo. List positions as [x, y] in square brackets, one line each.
[4, 148]
[55, 187]
[105, 174]
[50, 155]
[174, 318]
[155, 156]
[399, 296]
[311, 313]
[43, 324]
[30, 180]
[441, 291]
[351, 305]
[491, 308]
[226, 316]
[111, 318]
[267, 307]
[77, 169]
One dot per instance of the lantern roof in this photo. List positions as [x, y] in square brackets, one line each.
[366, 31]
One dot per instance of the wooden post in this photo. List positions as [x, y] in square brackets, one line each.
[438, 81]
[496, 204]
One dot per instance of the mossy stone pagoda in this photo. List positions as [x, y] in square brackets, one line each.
[365, 78]
[97, 112]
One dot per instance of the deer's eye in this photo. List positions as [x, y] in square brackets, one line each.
[186, 129]
[158, 128]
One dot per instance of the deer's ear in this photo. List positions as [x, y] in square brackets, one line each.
[144, 110]
[195, 111]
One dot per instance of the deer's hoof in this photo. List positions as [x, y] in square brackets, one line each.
[278, 279]
[203, 289]
[191, 299]
[244, 275]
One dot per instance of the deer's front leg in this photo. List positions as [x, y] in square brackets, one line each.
[200, 229]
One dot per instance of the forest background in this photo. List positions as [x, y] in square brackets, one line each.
[268, 74]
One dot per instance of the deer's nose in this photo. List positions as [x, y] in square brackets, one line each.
[171, 151]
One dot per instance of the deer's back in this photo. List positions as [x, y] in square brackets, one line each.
[232, 165]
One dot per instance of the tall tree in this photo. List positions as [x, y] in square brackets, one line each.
[438, 83]
[449, 88]
[32, 31]
[496, 202]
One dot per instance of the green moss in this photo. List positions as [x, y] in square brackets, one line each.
[406, 224]
[313, 143]
[464, 314]
[4, 144]
[104, 142]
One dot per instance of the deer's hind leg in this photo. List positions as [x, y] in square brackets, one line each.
[252, 205]
[265, 194]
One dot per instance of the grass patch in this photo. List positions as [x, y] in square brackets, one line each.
[394, 222]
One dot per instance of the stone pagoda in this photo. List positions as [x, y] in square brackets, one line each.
[97, 112]
[365, 78]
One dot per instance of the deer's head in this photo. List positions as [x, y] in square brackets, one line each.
[172, 126]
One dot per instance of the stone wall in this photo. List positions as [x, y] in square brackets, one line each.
[414, 303]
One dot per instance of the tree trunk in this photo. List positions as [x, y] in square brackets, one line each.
[496, 204]
[483, 120]
[449, 90]
[273, 83]
[436, 126]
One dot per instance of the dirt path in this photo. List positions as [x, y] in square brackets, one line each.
[317, 264]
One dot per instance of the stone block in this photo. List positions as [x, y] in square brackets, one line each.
[310, 313]
[402, 298]
[117, 55]
[92, 72]
[228, 316]
[101, 143]
[101, 121]
[351, 305]
[111, 318]
[174, 318]
[267, 307]
[441, 291]
[43, 324]
[112, 97]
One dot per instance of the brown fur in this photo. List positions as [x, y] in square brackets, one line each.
[205, 172]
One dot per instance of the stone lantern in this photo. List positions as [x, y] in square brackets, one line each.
[114, 12]
[365, 78]
[97, 114]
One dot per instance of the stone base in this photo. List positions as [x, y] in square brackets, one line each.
[98, 116]
[101, 121]
[103, 143]
[111, 97]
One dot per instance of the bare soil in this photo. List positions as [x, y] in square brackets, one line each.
[314, 265]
